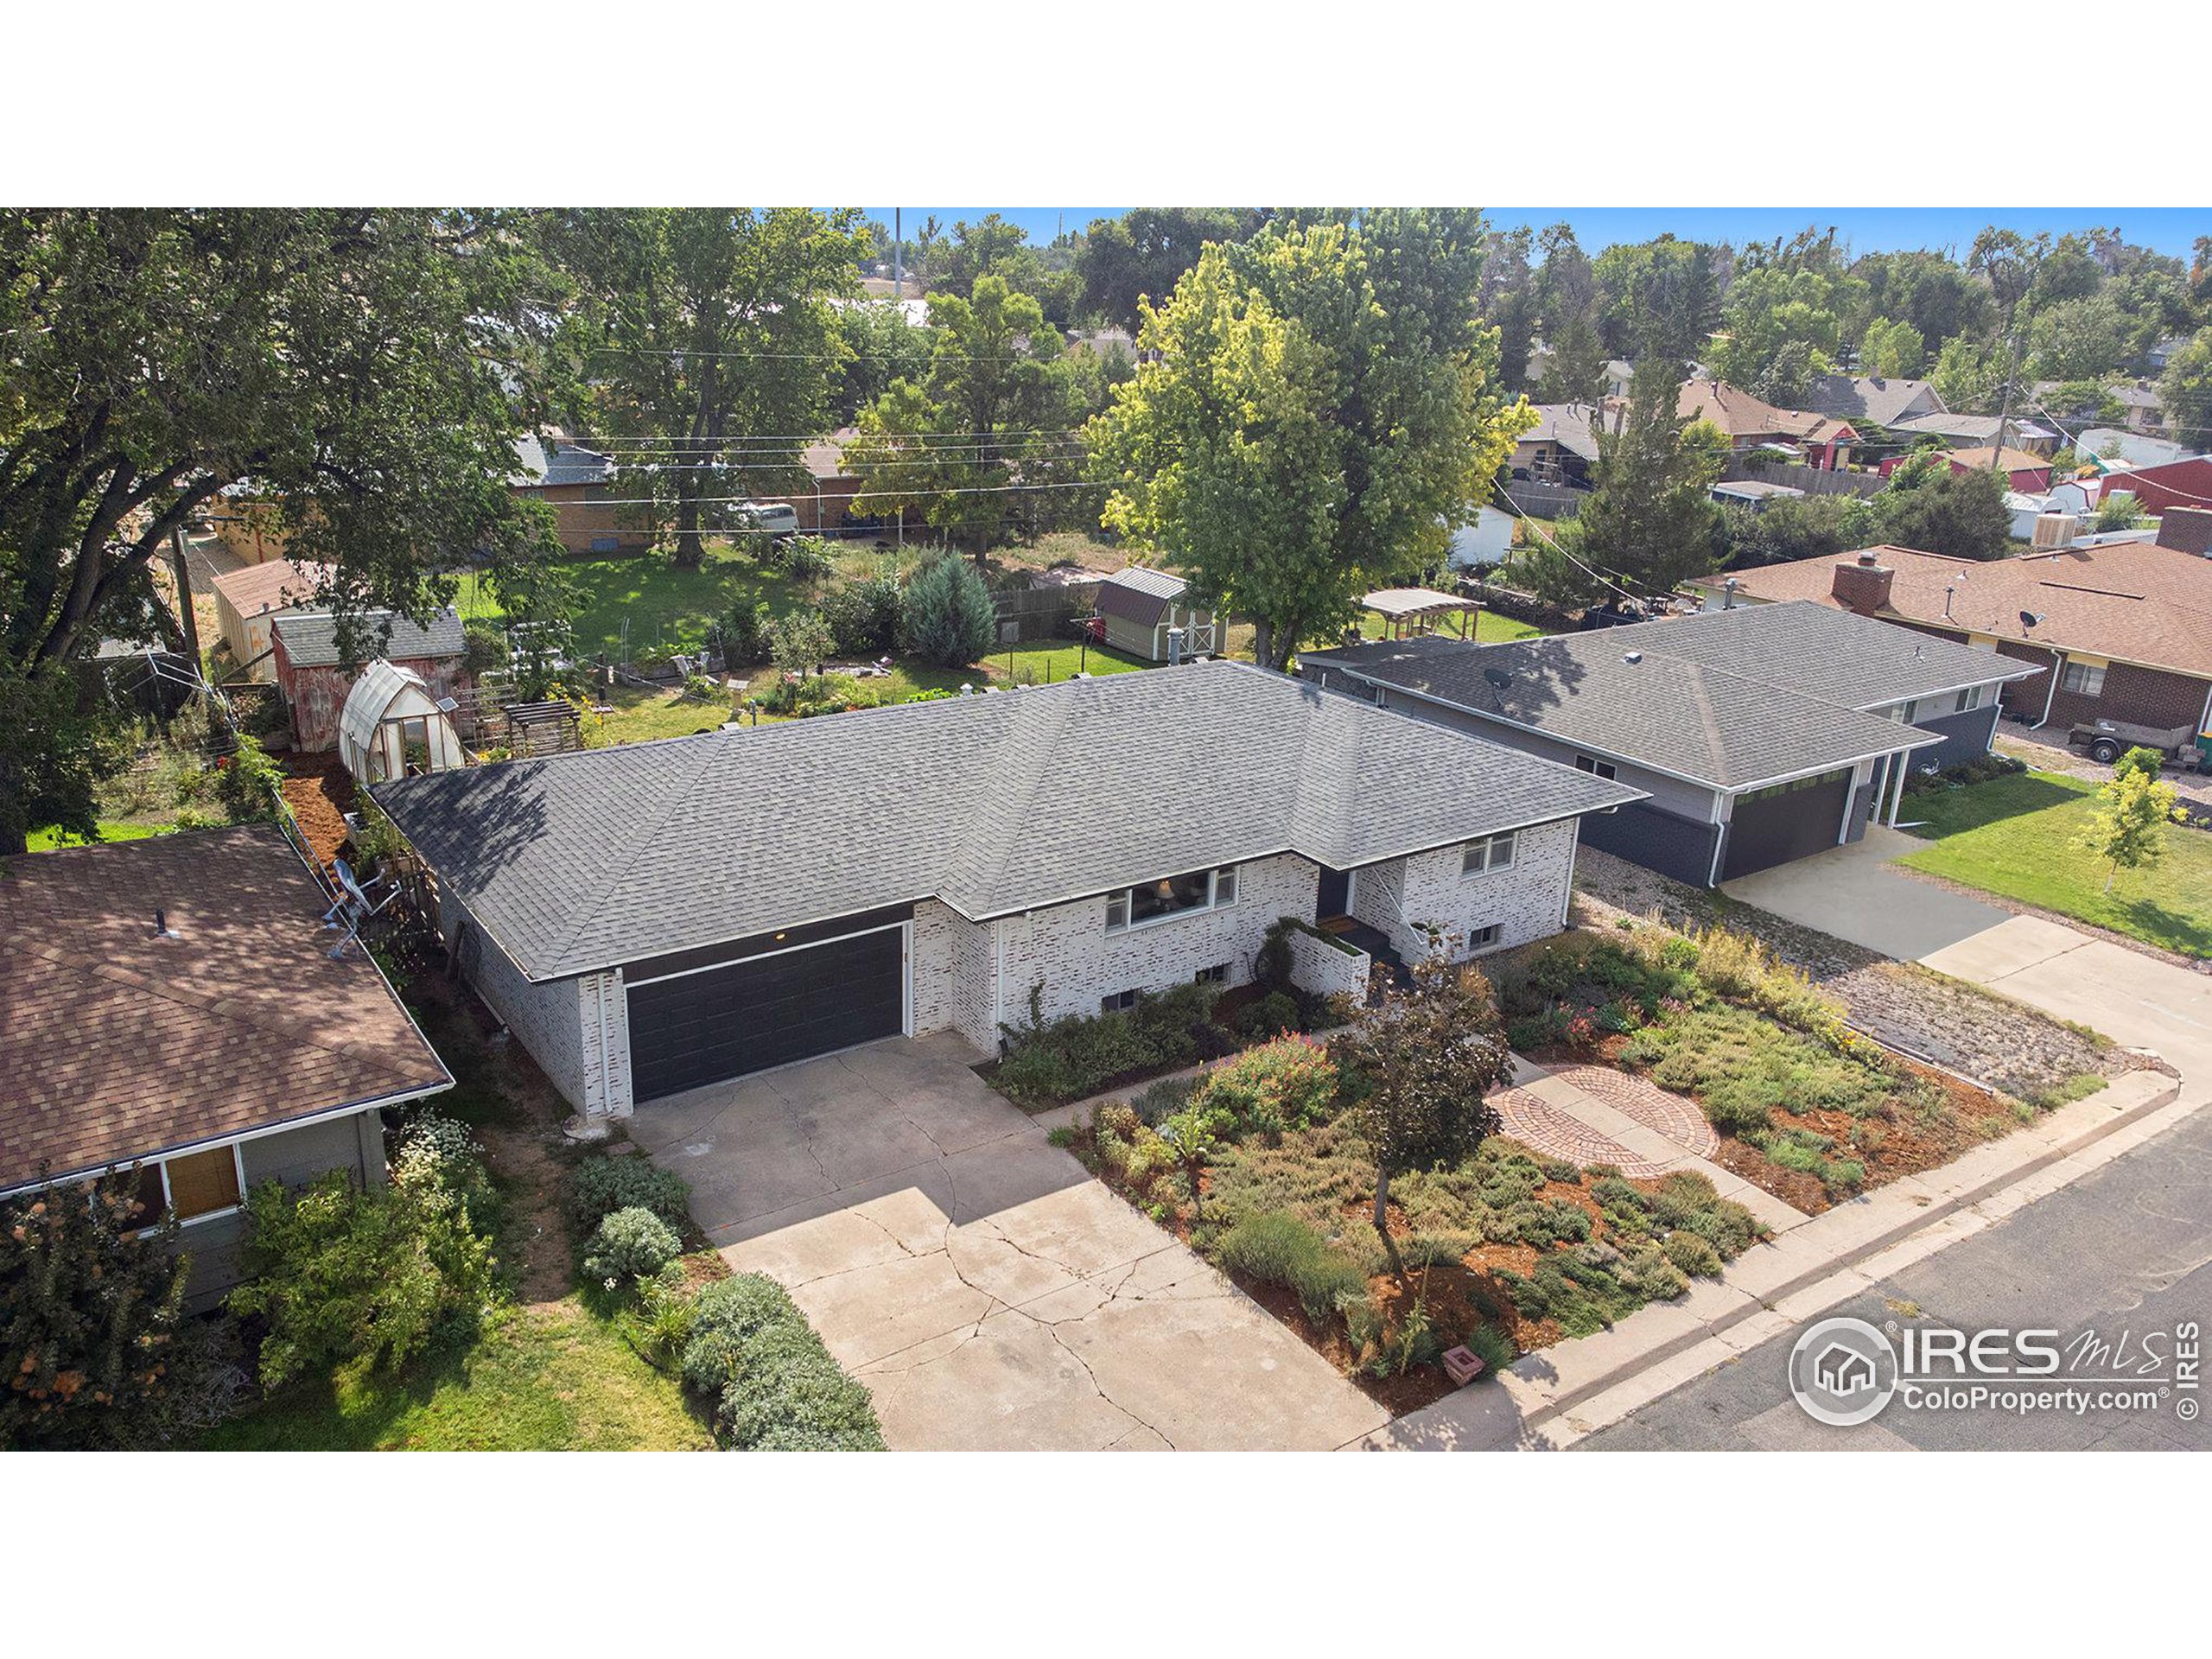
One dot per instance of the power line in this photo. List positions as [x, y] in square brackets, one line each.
[904, 495]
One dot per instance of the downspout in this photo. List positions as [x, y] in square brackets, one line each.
[2050, 692]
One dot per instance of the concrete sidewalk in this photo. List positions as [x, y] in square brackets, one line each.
[1548, 1400]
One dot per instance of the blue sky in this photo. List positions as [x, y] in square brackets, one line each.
[2169, 229]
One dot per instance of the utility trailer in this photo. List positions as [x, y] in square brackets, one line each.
[2106, 740]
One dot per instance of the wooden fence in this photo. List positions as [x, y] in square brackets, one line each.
[1813, 480]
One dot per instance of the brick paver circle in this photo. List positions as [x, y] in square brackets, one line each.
[1673, 1116]
[1544, 1129]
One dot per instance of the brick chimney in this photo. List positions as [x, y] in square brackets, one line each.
[1862, 585]
[2188, 529]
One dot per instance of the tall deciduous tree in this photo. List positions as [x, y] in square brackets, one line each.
[1959, 515]
[988, 426]
[1320, 406]
[349, 366]
[1567, 306]
[705, 336]
[1143, 254]
[1420, 1064]
[2186, 391]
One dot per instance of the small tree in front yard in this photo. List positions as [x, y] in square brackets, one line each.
[799, 642]
[2127, 828]
[1194, 1134]
[1418, 1065]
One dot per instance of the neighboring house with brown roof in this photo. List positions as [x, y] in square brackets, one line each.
[247, 602]
[1751, 422]
[225, 1050]
[2126, 628]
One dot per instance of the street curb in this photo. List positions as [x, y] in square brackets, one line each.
[1935, 1211]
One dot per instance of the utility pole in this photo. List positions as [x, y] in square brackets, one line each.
[897, 234]
[179, 565]
[2003, 407]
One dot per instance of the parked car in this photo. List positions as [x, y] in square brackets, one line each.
[775, 519]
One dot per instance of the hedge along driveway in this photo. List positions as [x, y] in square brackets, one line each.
[2013, 836]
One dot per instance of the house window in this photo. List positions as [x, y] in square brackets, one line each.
[1119, 1002]
[1595, 766]
[1483, 939]
[1170, 897]
[193, 1185]
[1969, 698]
[1216, 974]
[2083, 678]
[1909, 712]
[1492, 853]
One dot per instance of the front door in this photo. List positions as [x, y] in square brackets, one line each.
[1334, 896]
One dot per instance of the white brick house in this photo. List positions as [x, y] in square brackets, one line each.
[652, 918]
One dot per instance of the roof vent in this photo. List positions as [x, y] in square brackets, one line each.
[1633, 656]
[161, 928]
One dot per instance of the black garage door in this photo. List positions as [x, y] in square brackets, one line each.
[720, 1022]
[1788, 821]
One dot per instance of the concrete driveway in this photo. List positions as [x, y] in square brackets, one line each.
[988, 1291]
[1852, 893]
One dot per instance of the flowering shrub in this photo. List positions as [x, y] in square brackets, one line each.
[632, 1243]
[1284, 1085]
[601, 1186]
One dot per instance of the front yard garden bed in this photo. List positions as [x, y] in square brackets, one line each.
[1506, 1251]
[1807, 1108]
[1052, 1063]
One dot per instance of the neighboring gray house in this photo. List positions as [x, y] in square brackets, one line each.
[1139, 607]
[1759, 735]
[660, 916]
[225, 1050]
[1873, 400]
[1966, 430]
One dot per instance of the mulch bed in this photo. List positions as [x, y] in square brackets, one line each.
[320, 791]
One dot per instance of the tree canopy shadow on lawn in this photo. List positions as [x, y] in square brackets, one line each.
[1971, 806]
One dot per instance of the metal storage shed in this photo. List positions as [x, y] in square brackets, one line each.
[392, 726]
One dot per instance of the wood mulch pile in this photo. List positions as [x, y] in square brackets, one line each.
[320, 791]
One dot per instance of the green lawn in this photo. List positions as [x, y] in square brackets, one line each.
[45, 840]
[640, 716]
[555, 1379]
[2012, 836]
[1491, 628]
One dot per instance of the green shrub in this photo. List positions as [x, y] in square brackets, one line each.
[348, 1279]
[1164, 1099]
[1272, 967]
[249, 782]
[1741, 1067]
[745, 633]
[770, 1384]
[666, 1318]
[1283, 1084]
[863, 616]
[632, 1243]
[436, 1159]
[1081, 1054]
[1279, 1250]
[1692, 1254]
[1276, 1012]
[601, 1185]
[1491, 1346]
[946, 617]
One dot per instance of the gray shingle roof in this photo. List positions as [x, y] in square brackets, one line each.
[311, 637]
[994, 803]
[546, 462]
[1872, 397]
[1729, 699]
[1857, 661]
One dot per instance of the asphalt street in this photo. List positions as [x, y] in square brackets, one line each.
[2127, 1248]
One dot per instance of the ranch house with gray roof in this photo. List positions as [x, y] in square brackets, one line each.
[1757, 736]
[657, 917]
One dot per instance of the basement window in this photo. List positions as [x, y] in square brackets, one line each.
[1118, 1002]
[1216, 974]
[1484, 938]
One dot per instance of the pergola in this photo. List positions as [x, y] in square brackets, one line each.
[1411, 610]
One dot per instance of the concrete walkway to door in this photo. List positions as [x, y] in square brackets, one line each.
[990, 1293]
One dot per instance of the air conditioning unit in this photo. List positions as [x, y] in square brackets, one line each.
[2054, 530]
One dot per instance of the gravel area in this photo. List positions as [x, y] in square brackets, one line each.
[2194, 788]
[1991, 1038]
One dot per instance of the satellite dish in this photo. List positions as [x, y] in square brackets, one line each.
[2029, 619]
[1498, 678]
